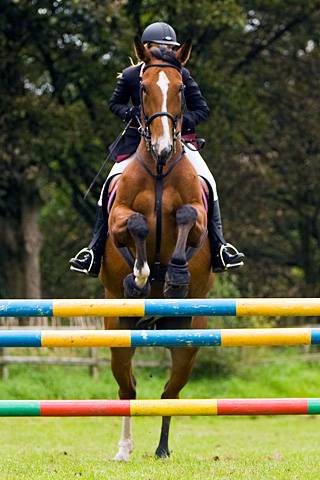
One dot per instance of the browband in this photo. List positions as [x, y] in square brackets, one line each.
[161, 65]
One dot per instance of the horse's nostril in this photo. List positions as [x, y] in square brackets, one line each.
[164, 155]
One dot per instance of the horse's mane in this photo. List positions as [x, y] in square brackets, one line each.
[161, 53]
[166, 55]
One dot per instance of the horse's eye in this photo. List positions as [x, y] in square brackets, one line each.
[143, 89]
[181, 88]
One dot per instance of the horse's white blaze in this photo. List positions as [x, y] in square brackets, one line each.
[163, 83]
[141, 276]
[125, 444]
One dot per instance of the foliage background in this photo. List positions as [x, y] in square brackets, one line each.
[257, 64]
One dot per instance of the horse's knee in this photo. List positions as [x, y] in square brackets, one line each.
[138, 226]
[186, 215]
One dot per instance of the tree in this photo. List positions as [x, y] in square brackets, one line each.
[55, 60]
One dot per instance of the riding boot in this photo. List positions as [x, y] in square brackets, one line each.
[88, 260]
[224, 255]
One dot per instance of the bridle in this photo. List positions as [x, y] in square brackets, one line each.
[144, 130]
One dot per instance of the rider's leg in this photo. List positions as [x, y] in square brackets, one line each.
[88, 259]
[224, 255]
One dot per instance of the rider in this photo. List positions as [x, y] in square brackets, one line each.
[224, 255]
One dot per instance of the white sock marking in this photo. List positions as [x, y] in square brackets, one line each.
[125, 444]
[141, 276]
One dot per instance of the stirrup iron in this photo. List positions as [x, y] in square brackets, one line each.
[85, 271]
[234, 251]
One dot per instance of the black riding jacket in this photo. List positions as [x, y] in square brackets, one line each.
[128, 88]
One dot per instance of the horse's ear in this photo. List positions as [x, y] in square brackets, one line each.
[141, 51]
[184, 52]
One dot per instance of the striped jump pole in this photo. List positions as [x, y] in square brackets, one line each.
[161, 307]
[84, 408]
[248, 337]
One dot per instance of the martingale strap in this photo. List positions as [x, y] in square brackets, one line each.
[158, 270]
[158, 207]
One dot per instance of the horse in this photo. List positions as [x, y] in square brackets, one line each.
[158, 217]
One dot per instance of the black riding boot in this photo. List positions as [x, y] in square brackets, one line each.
[224, 255]
[88, 260]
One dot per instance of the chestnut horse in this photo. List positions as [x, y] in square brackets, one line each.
[158, 215]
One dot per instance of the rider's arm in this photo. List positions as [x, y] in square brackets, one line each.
[119, 100]
[197, 107]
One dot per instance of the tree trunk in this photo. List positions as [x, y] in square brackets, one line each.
[20, 237]
[12, 275]
[32, 241]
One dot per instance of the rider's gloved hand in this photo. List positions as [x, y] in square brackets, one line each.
[188, 125]
[132, 113]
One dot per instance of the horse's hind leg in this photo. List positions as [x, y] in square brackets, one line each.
[122, 370]
[178, 277]
[136, 284]
[182, 363]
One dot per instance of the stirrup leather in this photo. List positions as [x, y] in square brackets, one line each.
[83, 270]
[234, 251]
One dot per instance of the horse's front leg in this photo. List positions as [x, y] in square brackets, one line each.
[127, 226]
[137, 285]
[191, 223]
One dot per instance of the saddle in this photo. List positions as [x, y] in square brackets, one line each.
[191, 139]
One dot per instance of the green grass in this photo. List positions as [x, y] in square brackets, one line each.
[284, 376]
[237, 448]
[202, 447]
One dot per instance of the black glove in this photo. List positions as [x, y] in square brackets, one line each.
[132, 113]
[188, 125]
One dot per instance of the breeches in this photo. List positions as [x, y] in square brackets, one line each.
[195, 158]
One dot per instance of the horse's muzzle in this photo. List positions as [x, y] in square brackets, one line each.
[163, 155]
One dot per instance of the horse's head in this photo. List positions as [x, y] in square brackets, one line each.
[162, 98]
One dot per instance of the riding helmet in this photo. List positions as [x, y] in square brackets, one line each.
[160, 33]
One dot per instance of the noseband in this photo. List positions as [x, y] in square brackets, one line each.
[145, 130]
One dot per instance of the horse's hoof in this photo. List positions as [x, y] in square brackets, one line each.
[162, 453]
[125, 449]
[121, 457]
[131, 289]
[177, 281]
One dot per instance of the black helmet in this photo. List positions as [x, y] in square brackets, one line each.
[161, 33]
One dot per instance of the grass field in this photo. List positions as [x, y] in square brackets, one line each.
[202, 447]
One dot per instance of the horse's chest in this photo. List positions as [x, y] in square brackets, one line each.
[145, 202]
